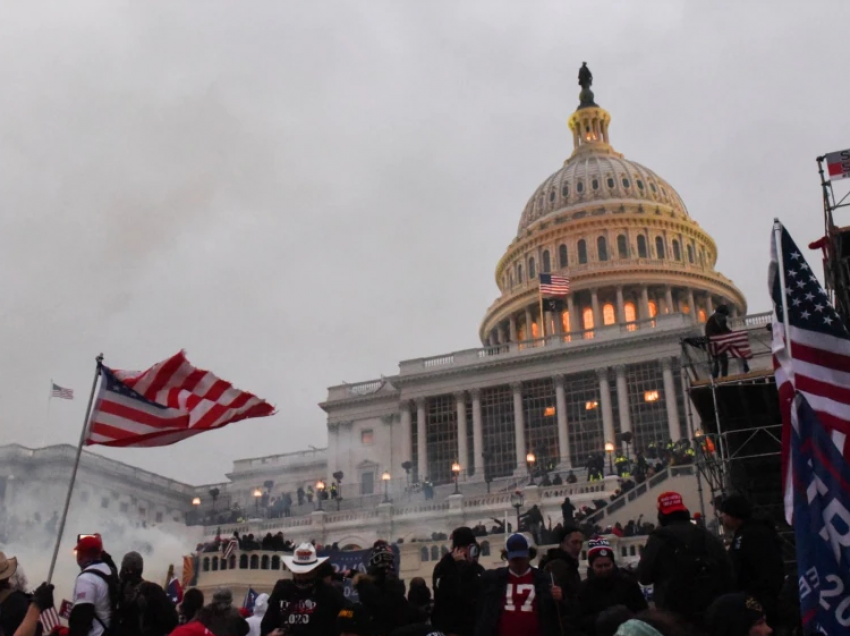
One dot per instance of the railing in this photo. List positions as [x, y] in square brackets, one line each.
[639, 490]
[360, 389]
[751, 320]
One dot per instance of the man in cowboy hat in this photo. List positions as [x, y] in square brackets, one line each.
[305, 605]
[19, 611]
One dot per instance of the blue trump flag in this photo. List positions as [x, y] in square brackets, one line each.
[250, 599]
[355, 561]
[821, 523]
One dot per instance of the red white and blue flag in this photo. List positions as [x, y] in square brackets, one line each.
[174, 591]
[61, 392]
[49, 619]
[166, 404]
[812, 370]
[231, 547]
[735, 343]
[551, 285]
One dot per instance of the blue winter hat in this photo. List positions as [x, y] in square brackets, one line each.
[517, 546]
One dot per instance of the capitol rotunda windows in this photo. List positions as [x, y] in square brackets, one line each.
[641, 246]
[659, 247]
[582, 251]
[562, 256]
[547, 262]
[601, 249]
[622, 246]
[677, 252]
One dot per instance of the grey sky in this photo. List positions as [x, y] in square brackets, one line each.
[301, 193]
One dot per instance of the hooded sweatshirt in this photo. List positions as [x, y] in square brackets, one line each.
[260, 607]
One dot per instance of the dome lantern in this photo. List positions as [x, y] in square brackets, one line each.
[589, 123]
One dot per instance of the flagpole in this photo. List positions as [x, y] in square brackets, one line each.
[542, 317]
[780, 263]
[64, 518]
[47, 418]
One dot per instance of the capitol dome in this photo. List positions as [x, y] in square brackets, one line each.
[619, 232]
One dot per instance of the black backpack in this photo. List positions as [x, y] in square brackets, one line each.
[698, 576]
[113, 586]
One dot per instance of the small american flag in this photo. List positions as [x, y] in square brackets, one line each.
[735, 343]
[812, 359]
[49, 619]
[165, 404]
[61, 392]
[230, 547]
[551, 285]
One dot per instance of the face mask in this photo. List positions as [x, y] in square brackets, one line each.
[304, 585]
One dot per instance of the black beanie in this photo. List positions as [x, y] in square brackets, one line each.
[736, 506]
[462, 537]
[733, 615]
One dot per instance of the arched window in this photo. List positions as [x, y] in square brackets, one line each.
[659, 247]
[206, 564]
[215, 564]
[702, 257]
[275, 562]
[701, 315]
[562, 256]
[677, 252]
[582, 251]
[602, 248]
[223, 563]
[691, 254]
[435, 553]
[232, 564]
[243, 562]
[641, 241]
[622, 246]
[653, 309]
[532, 269]
[535, 330]
[255, 562]
[264, 562]
[609, 316]
[587, 318]
[423, 554]
[519, 273]
[631, 312]
[547, 262]
[511, 280]
[565, 320]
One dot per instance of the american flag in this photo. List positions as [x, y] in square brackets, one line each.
[551, 285]
[165, 404]
[49, 619]
[61, 392]
[230, 547]
[735, 343]
[813, 358]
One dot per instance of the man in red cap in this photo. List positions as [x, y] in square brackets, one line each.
[685, 566]
[94, 590]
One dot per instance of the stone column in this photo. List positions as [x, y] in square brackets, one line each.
[512, 328]
[501, 333]
[693, 305]
[668, 299]
[559, 322]
[477, 434]
[709, 305]
[597, 313]
[421, 439]
[333, 446]
[462, 450]
[605, 405]
[621, 306]
[561, 414]
[406, 438]
[670, 399]
[644, 303]
[519, 426]
[623, 400]
[575, 326]
[528, 321]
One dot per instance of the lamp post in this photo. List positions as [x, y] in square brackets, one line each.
[338, 475]
[320, 493]
[196, 502]
[516, 501]
[408, 466]
[385, 477]
[257, 494]
[529, 460]
[609, 448]
[456, 472]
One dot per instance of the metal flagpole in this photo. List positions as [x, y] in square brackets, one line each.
[47, 417]
[780, 263]
[99, 360]
[542, 316]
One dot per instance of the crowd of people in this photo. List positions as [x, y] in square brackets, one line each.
[695, 584]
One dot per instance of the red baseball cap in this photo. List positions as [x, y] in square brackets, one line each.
[670, 502]
[90, 544]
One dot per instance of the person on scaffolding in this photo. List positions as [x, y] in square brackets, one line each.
[717, 324]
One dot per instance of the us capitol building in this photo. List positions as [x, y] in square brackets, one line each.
[558, 385]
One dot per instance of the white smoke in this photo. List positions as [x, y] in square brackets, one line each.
[29, 533]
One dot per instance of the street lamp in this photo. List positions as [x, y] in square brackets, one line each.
[385, 477]
[609, 448]
[456, 472]
[257, 494]
[516, 501]
[529, 460]
[196, 501]
[320, 491]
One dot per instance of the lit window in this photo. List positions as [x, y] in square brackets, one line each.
[684, 308]
[565, 320]
[367, 436]
[609, 316]
[549, 411]
[590, 405]
[701, 315]
[650, 396]
[653, 309]
[535, 331]
[587, 316]
[631, 313]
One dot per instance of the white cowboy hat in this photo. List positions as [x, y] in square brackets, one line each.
[7, 567]
[304, 559]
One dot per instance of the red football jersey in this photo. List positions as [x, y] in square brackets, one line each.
[519, 608]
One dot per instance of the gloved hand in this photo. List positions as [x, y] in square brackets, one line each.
[43, 596]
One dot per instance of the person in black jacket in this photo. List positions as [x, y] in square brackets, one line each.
[562, 565]
[518, 599]
[456, 582]
[304, 605]
[686, 566]
[755, 553]
[606, 586]
[19, 610]
[143, 609]
[381, 592]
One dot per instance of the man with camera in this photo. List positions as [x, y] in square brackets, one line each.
[456, 584]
